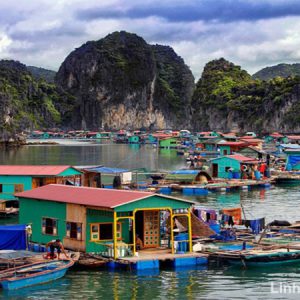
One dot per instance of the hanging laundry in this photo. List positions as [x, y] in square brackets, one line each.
[256, 225]
[236, 213]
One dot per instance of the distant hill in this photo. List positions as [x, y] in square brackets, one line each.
[40, 73]
[281, 70]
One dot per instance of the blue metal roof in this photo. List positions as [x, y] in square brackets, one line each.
[107, 170]
[185, 172]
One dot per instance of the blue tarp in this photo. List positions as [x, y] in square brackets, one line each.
[13, 237]
[181, 172]
[290, 146]
[294, 160]
[106, 170]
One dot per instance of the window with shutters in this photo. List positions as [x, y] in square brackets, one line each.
[74, 230]
[49, 226]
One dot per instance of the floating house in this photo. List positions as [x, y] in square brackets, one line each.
[101, 220]
[276, 137]
[293, 159]
[15, 179]
[100, 176]
[188, 176]
[93, 135]
[134, 139]
[294, 139]
[169, 142]
[220, 166]
[253, 152]
[227, 148]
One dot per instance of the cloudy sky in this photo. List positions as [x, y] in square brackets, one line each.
[251, 33]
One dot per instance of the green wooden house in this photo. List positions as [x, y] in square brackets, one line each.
[99, 220]
[170, 142]
[220, 166]
[14, 179]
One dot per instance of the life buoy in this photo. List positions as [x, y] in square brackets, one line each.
[244, 168]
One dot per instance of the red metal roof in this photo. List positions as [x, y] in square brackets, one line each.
[253, 140]
[232, 143]
[84, 195]
[241, 158]
[32, 170]
[294, 137]
[276, 134]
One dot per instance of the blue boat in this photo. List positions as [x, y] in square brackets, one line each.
[32, 274]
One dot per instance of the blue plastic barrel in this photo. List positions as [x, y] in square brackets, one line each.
[236, 175]
[182, 245]
[230, 175]
[257, 175]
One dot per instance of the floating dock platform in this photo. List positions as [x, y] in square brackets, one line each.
[157, 259]
[224, 186]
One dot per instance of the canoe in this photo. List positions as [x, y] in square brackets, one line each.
[32, 274]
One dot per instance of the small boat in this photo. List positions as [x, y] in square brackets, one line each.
[258, 257]
[36, 273]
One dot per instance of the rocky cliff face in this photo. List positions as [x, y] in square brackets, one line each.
[122, 82]
[24, 102]
[226, 99]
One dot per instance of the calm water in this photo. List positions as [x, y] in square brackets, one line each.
[214, 282]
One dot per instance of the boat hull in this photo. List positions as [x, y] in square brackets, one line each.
[17, 283]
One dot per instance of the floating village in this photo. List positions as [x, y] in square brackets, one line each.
[105, 218]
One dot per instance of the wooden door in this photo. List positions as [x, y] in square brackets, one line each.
[151, 229]
[215, 170]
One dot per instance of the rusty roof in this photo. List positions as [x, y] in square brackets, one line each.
[29, 170]
[108, 198]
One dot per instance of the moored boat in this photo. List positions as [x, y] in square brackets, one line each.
[32, 274]
[258, 257]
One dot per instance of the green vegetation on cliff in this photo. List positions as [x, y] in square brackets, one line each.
[281, 70]
[231, 96]
[25, 103]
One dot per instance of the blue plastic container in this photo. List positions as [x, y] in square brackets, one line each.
[257, 175]
[236, 175]
[181, 238]
[230, 175]
[188, 191]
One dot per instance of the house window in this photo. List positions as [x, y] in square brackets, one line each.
[74, 230]
[1, 188]
[49, 226]
[19, 188]
[225, 152]
[104, 231]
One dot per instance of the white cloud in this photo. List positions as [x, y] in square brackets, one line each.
[43, 32]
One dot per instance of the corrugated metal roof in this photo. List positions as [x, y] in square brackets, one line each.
[231, 143]
[108, 198]
[32, 170]
[241, 158]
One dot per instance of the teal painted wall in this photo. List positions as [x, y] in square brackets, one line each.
[153, 202]
[225, 150]
[69, 172]
[98, 216]
[223, 163]
[8, 182]
[32, 211]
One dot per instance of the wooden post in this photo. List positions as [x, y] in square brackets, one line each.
[115, 235]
